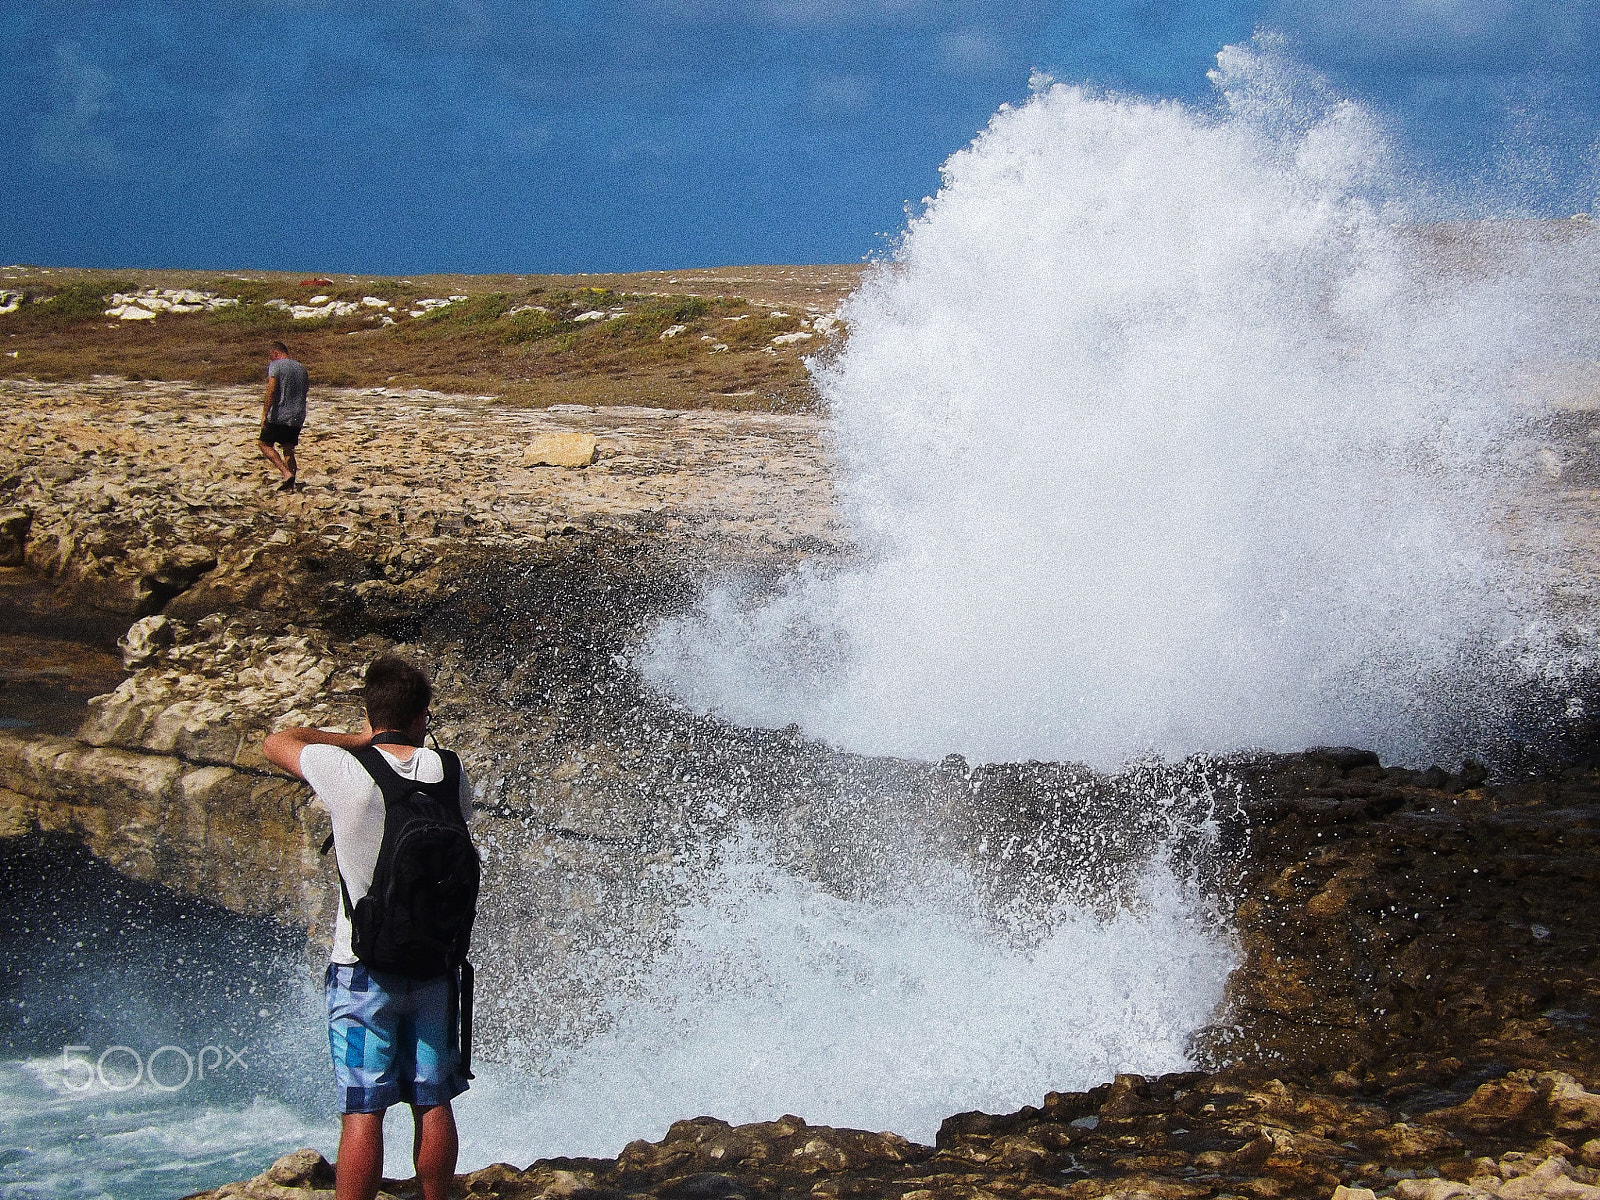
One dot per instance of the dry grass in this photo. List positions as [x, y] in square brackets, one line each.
[478, 346]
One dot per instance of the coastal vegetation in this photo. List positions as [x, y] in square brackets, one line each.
[728, 338]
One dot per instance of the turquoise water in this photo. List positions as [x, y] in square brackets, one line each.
[151, 1045]
[139, 1144]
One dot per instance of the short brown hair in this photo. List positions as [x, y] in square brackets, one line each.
[280, 347]
[396, 692]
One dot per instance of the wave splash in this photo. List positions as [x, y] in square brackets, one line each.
[1160, 434]
[777, 996]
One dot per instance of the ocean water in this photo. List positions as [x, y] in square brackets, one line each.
[61, 1139]
[775, 996]
[151, 1044]
[1165, 430]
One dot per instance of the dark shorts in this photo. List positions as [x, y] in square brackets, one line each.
[280, 435]
[393, 1039]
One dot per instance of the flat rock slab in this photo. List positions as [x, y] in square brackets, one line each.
[101, 479]
[560, 450]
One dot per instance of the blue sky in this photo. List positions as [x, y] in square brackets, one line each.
[483, 135]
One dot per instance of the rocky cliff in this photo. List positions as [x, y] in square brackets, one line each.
[437, 524]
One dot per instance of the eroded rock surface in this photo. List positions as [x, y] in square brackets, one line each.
[1526, 1136]
[421, 520]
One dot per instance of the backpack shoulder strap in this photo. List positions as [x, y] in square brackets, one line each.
[395, 787]
[450, 786]
[389, 783]
[452, 766]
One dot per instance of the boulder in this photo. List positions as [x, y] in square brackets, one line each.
[1537, 1102]
[1402, 1141]
[302, 1175]
[1428, 1189]
[560, 450]
[145, 638]
[706, 1144]
[1573, 1108]
[303, 1169]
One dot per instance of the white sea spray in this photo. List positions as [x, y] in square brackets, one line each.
[777, 997]
[1162, 432]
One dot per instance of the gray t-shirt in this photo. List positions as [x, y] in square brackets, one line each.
[355, 804]
[289, 402]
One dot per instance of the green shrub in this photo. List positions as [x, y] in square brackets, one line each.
[246, 291]
[479, 310]
[582, 298]
[86, 298]
[251, 316]
[688, 308]
[528, 326]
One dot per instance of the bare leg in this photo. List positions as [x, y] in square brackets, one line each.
[288, 458]
[271, 455]
[359, 1170]
[433, 1150]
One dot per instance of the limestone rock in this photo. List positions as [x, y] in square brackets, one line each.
[1549, 1101]
[1402, 1141]
[241, 839]
[302, 1175]
[1493, 1107]
[145, 638]
[1575, 1109]
[14, 524]
[303, 1168]
[707, 1144]
[560, 450]
[166, 573]
[1431, 1189]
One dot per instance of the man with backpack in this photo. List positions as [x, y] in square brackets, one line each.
[399, 988]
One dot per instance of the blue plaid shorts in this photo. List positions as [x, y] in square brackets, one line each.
[393, 1039]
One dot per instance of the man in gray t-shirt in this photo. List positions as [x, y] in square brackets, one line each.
[283, 412]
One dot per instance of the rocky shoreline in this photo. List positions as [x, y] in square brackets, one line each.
[1416, 1002]
[1180, 1137]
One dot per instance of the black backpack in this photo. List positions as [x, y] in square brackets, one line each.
[416, 919]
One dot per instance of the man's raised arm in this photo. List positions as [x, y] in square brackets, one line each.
[282, 749]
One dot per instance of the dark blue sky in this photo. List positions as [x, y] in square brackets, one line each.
[483, 135]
